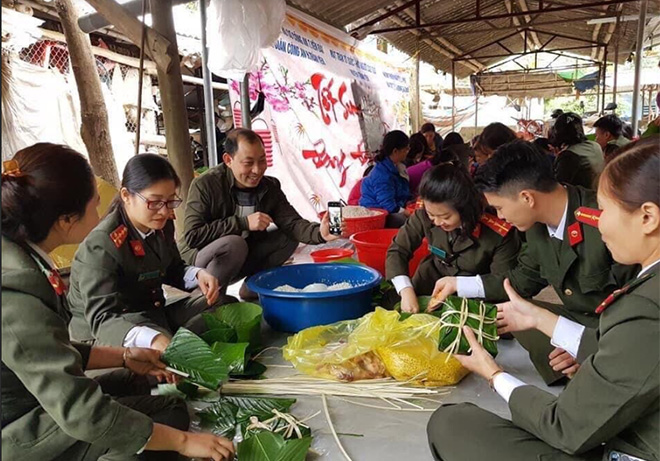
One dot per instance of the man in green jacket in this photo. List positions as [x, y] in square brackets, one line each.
[609, 134]
[560, 250]
[238, 221]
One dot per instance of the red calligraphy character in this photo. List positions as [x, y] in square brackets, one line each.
[326, 100]
[349, 107]
[360, 154]
[320, 158]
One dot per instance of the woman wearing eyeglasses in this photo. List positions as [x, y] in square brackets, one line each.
[116, 295]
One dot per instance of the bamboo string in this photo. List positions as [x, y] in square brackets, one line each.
[332, 428]
[464, 315]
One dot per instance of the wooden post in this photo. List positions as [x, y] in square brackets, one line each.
[175, 113]
[414, 95]
[94, 129]
[453, 96]
[158, 47]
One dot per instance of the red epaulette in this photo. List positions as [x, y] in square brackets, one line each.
[589, 216]
[622, 291]
[498, 225]
[118, 236]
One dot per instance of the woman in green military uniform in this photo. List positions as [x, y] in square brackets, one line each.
[50, 409]
[116, 294]
[462, 239]
[610, 410]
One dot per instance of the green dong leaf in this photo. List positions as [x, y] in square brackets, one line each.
[189, 353]
[232, 354]
[245, 319]
[267, 446]
[220, 418]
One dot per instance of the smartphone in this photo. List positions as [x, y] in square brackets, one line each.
[334, 211]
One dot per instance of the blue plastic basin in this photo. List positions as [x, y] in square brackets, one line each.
[292, 312]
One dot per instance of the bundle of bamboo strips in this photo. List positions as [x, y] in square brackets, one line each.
[304, 385]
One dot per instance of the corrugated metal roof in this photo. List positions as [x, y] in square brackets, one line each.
[438, 46]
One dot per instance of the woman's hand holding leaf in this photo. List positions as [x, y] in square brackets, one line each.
[143, 361]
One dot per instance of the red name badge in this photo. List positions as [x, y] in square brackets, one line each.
[137, 247]
[57, 283]
[575, 234]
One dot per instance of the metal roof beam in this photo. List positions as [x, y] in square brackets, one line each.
[545, 23]
[527, 53]
[482, 18]
[568, 37]
[491, 43]
[383, 16]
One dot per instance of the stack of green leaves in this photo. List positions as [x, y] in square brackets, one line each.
[450, 313]
[258, 444]
[223, 351]
[235, 323]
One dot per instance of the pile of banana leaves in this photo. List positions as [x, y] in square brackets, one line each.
[262, 424]
[223, 351]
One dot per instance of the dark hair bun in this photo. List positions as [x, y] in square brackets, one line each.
[54, 181]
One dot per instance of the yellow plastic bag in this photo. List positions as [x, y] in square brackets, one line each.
[375, 346]
[420, 361]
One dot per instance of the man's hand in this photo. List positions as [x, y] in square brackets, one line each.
[325, 229]
[444, 288]
[409, 301]
[259, 221]
[142, 361]
[520, 315]
[560, 360]
[209, 286]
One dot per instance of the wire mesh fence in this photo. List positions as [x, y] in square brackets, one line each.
[120, 80]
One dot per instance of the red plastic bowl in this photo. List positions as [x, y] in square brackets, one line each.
[331, 254]
[372, 248]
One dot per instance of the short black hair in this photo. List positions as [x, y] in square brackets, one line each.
[567, 130]
[495, 135]
[418, 147]
[238, 134]
[627, 131]
[453, 139]
[427, 127]
[452, 184]
[516, 166]
[543, 144]
[610, 123]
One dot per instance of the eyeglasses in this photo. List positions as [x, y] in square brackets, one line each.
[159, 204]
